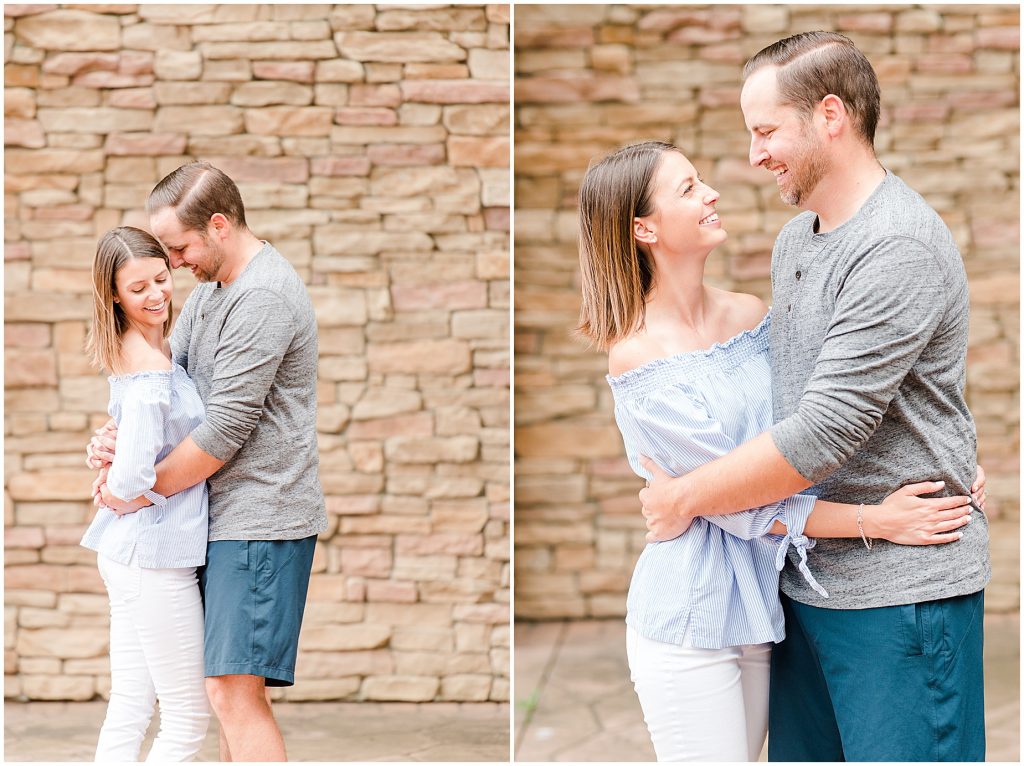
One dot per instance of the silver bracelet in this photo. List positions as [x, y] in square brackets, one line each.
[860, 526]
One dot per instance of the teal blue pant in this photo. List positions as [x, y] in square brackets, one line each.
[898, 683]
[254, 594]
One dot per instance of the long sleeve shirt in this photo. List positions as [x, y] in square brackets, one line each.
[869, 351]
[251, 348]
[154, 411]
[716, 585]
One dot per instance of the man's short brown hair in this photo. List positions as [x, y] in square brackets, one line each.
[812, 65]
[195, 192]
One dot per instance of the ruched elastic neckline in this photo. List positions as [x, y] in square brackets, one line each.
[721, 357]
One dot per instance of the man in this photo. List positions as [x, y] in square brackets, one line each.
[247, 337]
[869, 341]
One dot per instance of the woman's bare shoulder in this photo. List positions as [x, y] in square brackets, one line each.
[744, 310]
[632, 352]
[138, 356]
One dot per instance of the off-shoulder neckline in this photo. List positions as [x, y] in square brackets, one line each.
[144, 374]
[696, 354]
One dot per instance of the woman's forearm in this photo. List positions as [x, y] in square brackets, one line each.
[832, 520]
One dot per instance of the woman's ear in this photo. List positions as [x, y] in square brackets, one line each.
[643, 234]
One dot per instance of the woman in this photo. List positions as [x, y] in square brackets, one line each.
[689, 373]
[147, 559]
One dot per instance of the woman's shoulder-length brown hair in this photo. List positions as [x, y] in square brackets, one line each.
[617, 274]
[109, 323]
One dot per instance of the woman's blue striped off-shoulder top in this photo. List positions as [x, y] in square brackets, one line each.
[716, 585]
[154, 411]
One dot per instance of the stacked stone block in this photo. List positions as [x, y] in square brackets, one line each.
[590, 78]
[371, 146]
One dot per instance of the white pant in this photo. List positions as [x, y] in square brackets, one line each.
[156, 652]
[701, 704]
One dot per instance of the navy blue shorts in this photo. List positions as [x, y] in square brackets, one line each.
[254, 593]
[894, 683]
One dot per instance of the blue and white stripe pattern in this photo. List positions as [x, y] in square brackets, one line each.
[154, 411]
[717, 584]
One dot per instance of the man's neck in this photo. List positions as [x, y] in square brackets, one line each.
[239, 256]
[844, 191]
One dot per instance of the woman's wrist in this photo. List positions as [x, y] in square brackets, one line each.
[870, 521]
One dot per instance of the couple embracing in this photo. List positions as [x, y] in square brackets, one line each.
[827, 438]
[208, 490]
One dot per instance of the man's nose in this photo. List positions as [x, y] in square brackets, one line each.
[176, 261]
[757, 153]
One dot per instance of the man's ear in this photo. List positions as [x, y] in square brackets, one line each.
[641, 233]
[834, 111]
[219, 225]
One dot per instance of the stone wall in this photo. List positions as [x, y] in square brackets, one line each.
[371, 146]
[591, 78]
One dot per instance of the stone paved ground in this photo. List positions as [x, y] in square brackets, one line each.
[574, 701]
[321, 731]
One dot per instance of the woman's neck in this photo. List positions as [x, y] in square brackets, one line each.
[152, 336]
[679, 294]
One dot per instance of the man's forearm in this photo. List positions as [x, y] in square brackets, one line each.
[185, 466]
[752, 475]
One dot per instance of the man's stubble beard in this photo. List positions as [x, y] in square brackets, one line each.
[216, 263]
[812, 165]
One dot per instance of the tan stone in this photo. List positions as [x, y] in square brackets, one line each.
[456, 449]
[345, 638]
[455, 92]
[77, 64]
[70, 30]
[289, 121]
[466, 688]
[337, 307]
[289, 170]
[269, 51]
[57, 642]
[97, 666]
[380, 403]
[400, 47]
[477, 119]
[452, 18]
[25, 368]
[263, 93]
[132, 98]
[399, 688]
[58, 687]
[457, 544]
[389, 134]
[487, 64]
[17, 10]
[345, 240]
[199, 120]
[418, 424]
[26, 133]
[442, 356]
[324, 689]
[42, 161]
[20, 103]
[406, 155]
[191, 93]
[339, 70]
[152, 144]
[340, 166]
[389, 590]
[178, 65]
[94, 120]
[156, 37]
